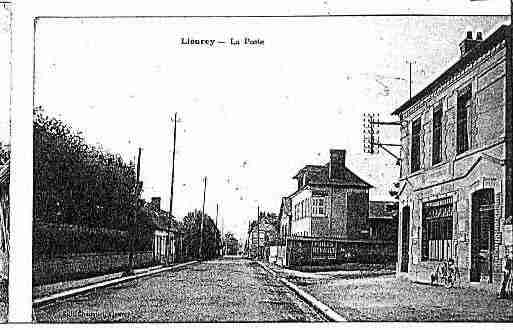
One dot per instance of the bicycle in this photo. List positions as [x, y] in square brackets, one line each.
[447, 274]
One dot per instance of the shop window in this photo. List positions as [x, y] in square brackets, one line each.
[437, 230]
[415, 145]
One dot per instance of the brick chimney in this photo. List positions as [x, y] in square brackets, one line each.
[469, 43]
[155, 203]
[337, 164]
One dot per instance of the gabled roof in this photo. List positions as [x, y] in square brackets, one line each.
[161, 219]
[285, 207]
[319, 175]
[493, 40]
[382, 210]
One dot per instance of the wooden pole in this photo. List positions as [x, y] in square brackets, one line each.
[410, 80]
[258, 232]
[173, 171]
[202, 219]
[216, 229]
[136, 209]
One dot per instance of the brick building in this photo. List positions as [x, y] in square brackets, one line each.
[455, 180]
[330, 201]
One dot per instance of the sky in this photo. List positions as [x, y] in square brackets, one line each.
[249, 117]
[4, 72]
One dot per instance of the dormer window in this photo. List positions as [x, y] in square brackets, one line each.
[305, 179]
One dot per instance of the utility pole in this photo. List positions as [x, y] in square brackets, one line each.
[410, 80]
[411, 76]
[217, 212]
[202, 219]
[258, 232]
[138, 187]
[173, 171]
[216, 230]
[222, 237]
[250, 238]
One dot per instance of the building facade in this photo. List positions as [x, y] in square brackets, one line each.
[165, 236]
[285, 217]
[330, 201]
[382, 222]
[455, 178]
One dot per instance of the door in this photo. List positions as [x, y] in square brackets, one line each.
[405, 239]
[482, 235]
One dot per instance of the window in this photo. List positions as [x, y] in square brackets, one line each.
[415, 145]
[302, 209]
[461, 120]
[318, 208]
[437, 134]
[437, 230]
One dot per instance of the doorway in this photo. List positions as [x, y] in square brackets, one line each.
[482, 235]
[405, 239]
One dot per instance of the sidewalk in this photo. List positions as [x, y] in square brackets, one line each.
[387, 298]
[49, 289]
[301, 276]
[51, 292]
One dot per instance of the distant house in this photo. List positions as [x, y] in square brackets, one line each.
[383, 220]
[165, 234]
[231, 246]
[4, 221]
[330, 201]
[260, 236]
[285, 217]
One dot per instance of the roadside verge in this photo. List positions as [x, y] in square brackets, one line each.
[80, 290]
[326, 311]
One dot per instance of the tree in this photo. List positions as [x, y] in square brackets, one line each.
[211, 235]
[77, 183]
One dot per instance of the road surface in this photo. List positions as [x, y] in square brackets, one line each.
[224, 290]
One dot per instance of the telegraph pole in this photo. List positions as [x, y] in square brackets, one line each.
[258, 232]
[138, 187]
[217, 212]
[410, 80]
[217, 230]
[202, 219]
[173, 171]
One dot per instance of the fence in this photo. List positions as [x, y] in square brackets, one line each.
[77, 266]
[316, 251]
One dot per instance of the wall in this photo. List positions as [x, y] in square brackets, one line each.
[302, 225]
[299, 252]
[63, 268]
